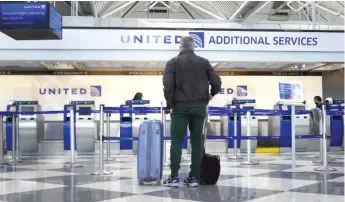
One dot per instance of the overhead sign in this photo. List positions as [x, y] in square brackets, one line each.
[168, 40]
[28, 21]
[24, 15]
[235, 40]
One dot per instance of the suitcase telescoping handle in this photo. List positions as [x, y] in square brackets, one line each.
[163, 119]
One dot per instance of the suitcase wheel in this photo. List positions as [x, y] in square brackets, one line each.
[140, 183]
[158, 182]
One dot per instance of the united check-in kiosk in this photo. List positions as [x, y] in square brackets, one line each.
[29, 127]
[85, 126]
[228, 123]
[335, 124]
[130, 123]
[281, 126]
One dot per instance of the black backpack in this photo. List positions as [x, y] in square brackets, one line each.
[210, 164]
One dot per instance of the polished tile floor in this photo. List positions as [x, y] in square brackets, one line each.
[45, 180]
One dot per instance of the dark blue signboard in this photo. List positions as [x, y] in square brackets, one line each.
[24, 15]
[30, 21]
[55, 21]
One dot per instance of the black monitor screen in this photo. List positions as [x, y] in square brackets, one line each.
[300, 107]
[84, 111]
[27, 109]
[248, 107]
[126, 119]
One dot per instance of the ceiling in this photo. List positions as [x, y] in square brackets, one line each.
[111, 65]
[327, 12]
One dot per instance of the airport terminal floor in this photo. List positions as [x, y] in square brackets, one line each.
[45, 179]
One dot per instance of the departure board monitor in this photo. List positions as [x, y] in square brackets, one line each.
[291, 91]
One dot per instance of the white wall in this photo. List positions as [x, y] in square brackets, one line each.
[117, 89]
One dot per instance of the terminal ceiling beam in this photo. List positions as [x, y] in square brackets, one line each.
[76, 3]
[300, 5]
[94, 9]
[330, 11]
[186, 10]
[166, 5]
[239, 10]
[117, 9]
[80, 10]
[152, 5]
[217, 9]
[130, 10]
[279, 8]
[304, 5]
[260, 6]
[314, 15]
[204, 10]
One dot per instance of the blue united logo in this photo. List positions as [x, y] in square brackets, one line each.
[96, 91]
[242, 91]
[199, 39]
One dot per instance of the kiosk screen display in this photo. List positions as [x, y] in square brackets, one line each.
[28, 109]
[84, 111]
[248, 107]
[300, 108]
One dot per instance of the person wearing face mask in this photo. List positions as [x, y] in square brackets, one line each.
[318, 101]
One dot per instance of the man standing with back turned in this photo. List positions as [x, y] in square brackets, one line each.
[186, 83]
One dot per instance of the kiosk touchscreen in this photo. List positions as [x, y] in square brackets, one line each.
[335, 123]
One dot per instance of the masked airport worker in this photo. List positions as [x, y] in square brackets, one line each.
[138, 96]
[186, 83]
[318, 102]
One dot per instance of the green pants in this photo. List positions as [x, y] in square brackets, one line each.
[182, 117]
